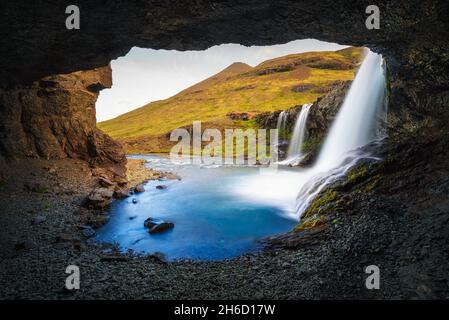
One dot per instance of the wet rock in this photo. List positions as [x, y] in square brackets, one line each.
[139, 188]
[121, 194]
[157, 257]
[161, 227]
[161, 187]
[88, 231]
[134, 201]
[150, 222]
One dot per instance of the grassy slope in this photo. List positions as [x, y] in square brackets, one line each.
[239, 88]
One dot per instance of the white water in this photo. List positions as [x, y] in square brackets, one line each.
[357, 123]
[282, 122]
[294, 148]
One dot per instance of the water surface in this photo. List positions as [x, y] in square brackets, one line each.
[214, 219]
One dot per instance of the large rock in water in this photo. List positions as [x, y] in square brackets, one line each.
[161, 227]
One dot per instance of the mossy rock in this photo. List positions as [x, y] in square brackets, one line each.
[321, 204]
[310, 223]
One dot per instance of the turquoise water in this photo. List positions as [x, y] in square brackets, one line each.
[211, 222]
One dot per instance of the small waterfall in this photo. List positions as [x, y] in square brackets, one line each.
[282, 122]
[294, 154]
[357, 123]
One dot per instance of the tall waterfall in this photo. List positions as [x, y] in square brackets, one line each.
[294, 148]
[357, 123]
[282, 122]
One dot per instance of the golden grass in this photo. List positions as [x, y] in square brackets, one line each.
[239, 88]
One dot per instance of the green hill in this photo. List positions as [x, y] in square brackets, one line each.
[272, 85]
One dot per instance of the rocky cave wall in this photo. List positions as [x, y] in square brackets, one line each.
[54, 118]
[47, 102]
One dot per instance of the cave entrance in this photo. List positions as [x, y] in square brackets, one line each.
[200, 211]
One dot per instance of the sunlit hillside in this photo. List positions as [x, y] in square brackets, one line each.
[272, 85]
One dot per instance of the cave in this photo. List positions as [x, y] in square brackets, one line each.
[51, 78]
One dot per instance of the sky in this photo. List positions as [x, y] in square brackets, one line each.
[146, 75]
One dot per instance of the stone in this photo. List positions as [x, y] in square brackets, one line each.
[134, 201]
[88, 231]
[121, 194]
[161, 187]
[99, 198]
[161, 227]
[150, 222]
[139, 188]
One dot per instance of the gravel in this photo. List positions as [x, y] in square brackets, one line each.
[407, 242]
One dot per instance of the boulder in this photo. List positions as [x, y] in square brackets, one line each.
[99, 198]
[161, 227]
[161, 187]
[150, 222]
[139, 188]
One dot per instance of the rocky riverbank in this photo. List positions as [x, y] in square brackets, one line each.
[381, 225]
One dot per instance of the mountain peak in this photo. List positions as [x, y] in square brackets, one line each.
[238, 67]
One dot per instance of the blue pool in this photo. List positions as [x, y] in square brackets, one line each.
[212, 222]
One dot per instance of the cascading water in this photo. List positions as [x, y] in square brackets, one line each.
[357, 124]
[294, 148]
[282, 122]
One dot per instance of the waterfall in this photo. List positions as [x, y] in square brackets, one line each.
[282, 122]
[357, 123]
[294, 148]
